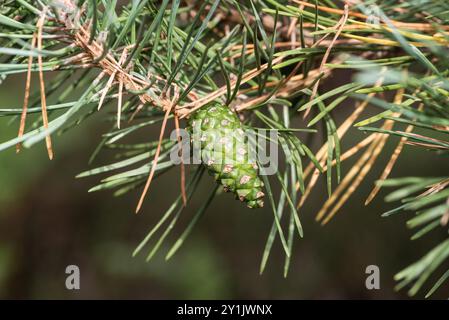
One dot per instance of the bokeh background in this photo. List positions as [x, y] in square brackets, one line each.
[48, 220]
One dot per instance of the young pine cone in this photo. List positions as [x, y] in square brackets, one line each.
[219, 134]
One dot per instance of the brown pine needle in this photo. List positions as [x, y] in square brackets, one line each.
[359, 171]
[217, 93]
[120, 89]
[321, 154]
[26, 97]
[289, 83]
[183, 175]
[119, 103]
[388, 168]
[445, 218]
[359, 178]
[359, 146]
[139, 107]
[110, 81]
[435, 188]
[426, 145]
[390, 164]
[158, 150]
[106, 89]
[411, 25]
[291, 34]
[156, 158]
[346, 182]
[40, 25]
[341, 131]
[331, 10]
[343, 157]
[419, 136]
[362, 167]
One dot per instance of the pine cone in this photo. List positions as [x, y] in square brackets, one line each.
[219, 134]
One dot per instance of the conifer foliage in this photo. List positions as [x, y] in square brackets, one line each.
[216, 66]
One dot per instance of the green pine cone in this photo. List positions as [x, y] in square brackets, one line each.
[219, 134]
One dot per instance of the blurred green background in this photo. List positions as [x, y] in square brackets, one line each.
[48, 220]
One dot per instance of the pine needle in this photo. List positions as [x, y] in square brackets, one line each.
[27, 95]
[183, 175]
[119, 103]
[193, 106]
[274, 57]
[138, 109]
[361, 169]
[341, 131]
[389, 167]
[158, 150]
[109, 85]
[338, 28]
[412, 26]
[40, 25]
[345, 183]
[120, 88]
[359, 146]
